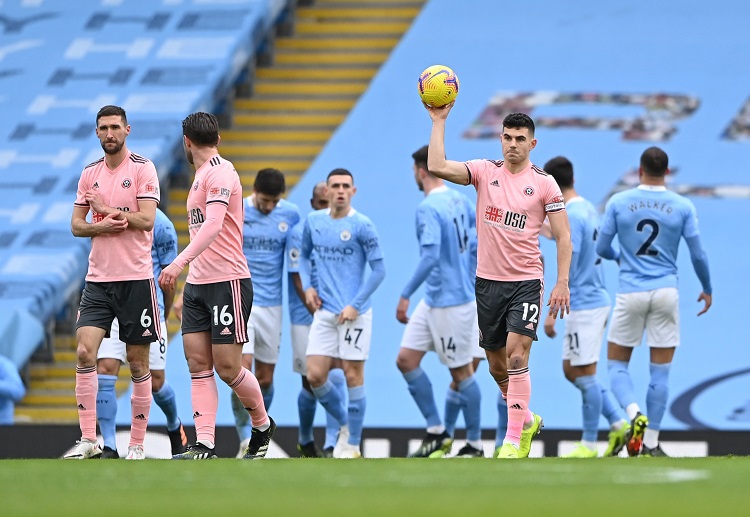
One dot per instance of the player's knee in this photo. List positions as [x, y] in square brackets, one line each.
[157, 380]
[405, 364]
[138, 368]
[354, 378]
[316, 377]
[516, 362]
[264, 381]
[85, 356]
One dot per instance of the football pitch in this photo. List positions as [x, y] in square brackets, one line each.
[549, 486]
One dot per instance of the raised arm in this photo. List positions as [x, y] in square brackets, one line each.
[437, 164]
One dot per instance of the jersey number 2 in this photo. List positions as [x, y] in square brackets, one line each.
[645, 248]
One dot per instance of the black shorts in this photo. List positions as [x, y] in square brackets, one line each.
[504, 307]
[132, 302]
[223, 308]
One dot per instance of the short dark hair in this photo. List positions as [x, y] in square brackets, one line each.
[270, 182]
[561, 169]
[110, 110]
[201, 128]
[340, 172]
[420, 156]
[654, 162]
[517, 120]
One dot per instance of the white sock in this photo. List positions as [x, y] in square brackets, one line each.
[589, 445]
[632, 410]
[208, 444]
[651, 438]
[436, 429]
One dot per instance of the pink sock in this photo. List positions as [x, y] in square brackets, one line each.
[140, 406]
[246, 386]
[205, 397]
[519, 394]
[87, 384]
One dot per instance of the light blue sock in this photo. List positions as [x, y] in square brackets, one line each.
[106, 409]
[306, 404]
[338, 379]
[471, 400]
[502, 420]
[167, 402]
[357, 406]
[591, 394]
[610, 411]
[267, 396]
[420, 388]
[452, 409]
[241, 419]
[621, 383]
[657, 394]
[330, 399]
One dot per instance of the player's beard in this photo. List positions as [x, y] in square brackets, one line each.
[188, 154]
[113, 150]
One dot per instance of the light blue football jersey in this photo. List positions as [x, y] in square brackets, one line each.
[298, 313]
[445, 218]
[649, 222]
[264, 245]
[341, 249]
[163, 250]
[587, 289]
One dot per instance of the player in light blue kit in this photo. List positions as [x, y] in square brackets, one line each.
[301, 320]
[112, 354]
[649, 222]
[445, 321]
[343, 242]
[589, 311]
[268, 223]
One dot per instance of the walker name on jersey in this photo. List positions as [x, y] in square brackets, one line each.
[662, 207]
[506, 219]
[264, 243]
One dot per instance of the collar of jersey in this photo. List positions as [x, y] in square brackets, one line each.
[441, 188]
[576, 199]
[653, 188]
[352, 211]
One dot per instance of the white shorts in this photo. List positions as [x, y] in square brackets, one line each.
[113, 348]
[657, 312]
[451, 332]
[300, 338]
[350, 341]
[584, 332]
[264, 334]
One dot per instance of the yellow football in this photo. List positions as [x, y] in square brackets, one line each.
[438, 86]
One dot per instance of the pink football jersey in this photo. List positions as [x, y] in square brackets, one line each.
[217, 182]
[122, 256]
[510, 211]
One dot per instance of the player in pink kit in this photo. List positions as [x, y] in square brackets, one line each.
[513, 198]
[122, 191]
[218, 293]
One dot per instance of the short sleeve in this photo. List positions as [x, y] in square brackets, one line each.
[218, 184]
[148, 182]
[84, 183]
[553, 198]
[294, 248]
[477, 170]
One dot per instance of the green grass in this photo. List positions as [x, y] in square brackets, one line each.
[393, 487]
